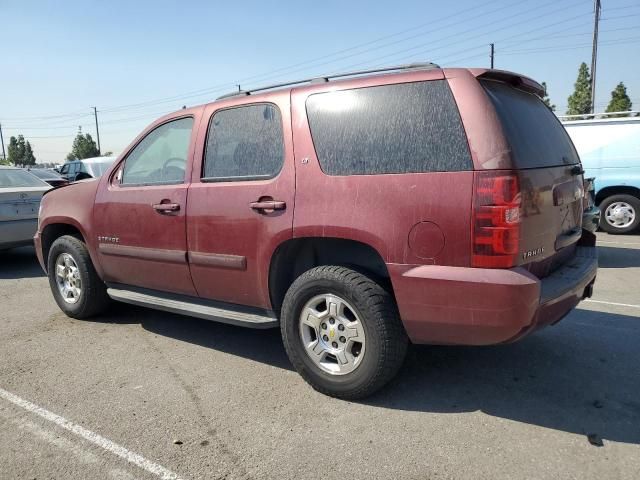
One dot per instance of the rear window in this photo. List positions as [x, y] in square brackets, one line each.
[10, 178]
[403, 128]
[535, 135]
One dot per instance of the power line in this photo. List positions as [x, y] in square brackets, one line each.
[620, 41]
[268, 75]
[466, 39]
[501, 40]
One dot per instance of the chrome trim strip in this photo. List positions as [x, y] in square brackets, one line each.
[142, 253]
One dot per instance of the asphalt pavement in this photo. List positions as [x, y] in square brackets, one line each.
[143, 394]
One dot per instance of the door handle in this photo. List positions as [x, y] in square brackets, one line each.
[268, 206]
[166, 207]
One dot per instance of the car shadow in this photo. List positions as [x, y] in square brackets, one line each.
[264, 346]
[19, 263]
[580, 376]
[618, 257]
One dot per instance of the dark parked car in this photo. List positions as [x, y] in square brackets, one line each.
[85, 168]
[50, 176]
[421, 204]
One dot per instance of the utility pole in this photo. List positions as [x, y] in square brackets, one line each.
[4, 157]
[95, 113]
[492, 52]
[594, 53]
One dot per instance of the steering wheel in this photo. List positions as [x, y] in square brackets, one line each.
[172, 172]
[174, 159]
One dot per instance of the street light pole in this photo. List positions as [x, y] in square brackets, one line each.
[95, 113]
[4, 156]
[492, 52]
[594, 54]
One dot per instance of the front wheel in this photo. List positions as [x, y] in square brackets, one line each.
[620, 214]
[342, 332]
[74, 282]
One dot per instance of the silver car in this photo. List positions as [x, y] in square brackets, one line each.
[20, 195]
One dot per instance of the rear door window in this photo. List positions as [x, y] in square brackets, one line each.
[403, 128]
[535, 135]
[244, 143]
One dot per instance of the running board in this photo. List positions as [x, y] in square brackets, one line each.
[195, 307]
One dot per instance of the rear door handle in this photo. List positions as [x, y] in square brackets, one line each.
[166, 207]
[268, 206]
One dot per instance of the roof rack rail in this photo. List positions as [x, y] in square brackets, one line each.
[326, 78]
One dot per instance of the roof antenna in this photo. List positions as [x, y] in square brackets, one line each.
[184, 107]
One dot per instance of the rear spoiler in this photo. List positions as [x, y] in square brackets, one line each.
[518, 81]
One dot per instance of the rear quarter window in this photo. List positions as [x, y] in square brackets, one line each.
[535, 135]
[403, 128]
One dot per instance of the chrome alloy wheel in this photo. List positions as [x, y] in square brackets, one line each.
[68, 278]
[332, 334]
[620, 214]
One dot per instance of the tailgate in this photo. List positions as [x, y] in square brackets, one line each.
[551, 212]
[549, 174]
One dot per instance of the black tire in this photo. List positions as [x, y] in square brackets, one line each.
[386, 340]
[93, 298]
[634, 202]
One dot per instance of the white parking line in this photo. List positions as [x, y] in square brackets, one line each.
[617, 243]
[613, 303]
[92, 437]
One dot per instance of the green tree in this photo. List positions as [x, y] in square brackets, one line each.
[83, 147]
[29, 159]
[16, 150]
[580, 99]
[620, 101]
[546, 98]
[12, 151]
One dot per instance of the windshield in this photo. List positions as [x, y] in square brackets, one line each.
[536, 137]
[10, 178]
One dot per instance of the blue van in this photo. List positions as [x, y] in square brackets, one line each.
[609, 149]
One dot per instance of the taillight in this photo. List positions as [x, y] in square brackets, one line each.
[496, 219]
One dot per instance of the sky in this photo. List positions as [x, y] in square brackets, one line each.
[136, 60]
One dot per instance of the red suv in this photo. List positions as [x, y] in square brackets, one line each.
[414, 203]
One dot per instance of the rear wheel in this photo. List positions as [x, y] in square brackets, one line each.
[76, 287]
[620, 213]
[342, 332]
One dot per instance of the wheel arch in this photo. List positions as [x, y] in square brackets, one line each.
[52, 231]
[295, 256]
[607, 192]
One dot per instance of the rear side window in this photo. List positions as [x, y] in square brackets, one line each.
[244, 143]
[15, 178]
[535, 135]
[404, 128]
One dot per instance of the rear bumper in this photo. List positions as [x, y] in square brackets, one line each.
[474, 306]
[16, 233]
[591, 219]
